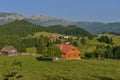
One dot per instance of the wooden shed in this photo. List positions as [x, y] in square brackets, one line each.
[9, 51]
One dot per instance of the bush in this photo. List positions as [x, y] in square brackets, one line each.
[89, 55]
[44, 58]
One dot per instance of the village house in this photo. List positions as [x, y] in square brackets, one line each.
[9, 51]
[52, 37]
[66, 37]
[69, 51]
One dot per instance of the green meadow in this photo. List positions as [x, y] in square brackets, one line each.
[94, 69]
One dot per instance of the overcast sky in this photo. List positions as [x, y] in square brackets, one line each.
[76, 10]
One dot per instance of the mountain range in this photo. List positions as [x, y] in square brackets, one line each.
[92, 27]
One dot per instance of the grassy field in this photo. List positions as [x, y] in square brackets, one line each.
[64, 70]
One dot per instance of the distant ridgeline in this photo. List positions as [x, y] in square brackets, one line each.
[92, 27]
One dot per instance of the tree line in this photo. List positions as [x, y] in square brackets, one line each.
[105, 39]
[104, 52]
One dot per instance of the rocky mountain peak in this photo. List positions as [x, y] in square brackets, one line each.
[40, 17]
[12, 16]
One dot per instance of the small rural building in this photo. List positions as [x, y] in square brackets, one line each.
[9, 51]
[69, 51]
[66, 37]
[53, 37]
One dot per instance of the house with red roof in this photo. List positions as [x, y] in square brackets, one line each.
[69, 51]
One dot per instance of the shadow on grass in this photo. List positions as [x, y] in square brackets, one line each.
[103, 78]
[11, 75]
[44, 58]
[56, 78]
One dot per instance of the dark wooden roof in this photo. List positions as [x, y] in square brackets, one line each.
[9, 49]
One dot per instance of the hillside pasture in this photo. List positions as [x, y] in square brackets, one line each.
[47, 34]
[64, 70]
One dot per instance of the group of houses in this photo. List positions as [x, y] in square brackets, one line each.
[68, 51]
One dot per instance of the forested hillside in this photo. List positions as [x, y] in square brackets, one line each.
[69, 30]
[15, 33]
[19, 28]
[23, 28]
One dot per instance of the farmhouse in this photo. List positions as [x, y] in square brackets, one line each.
[9, 51]
[53, 37]
[69, 51]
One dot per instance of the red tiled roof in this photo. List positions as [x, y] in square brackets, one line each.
[66, 48]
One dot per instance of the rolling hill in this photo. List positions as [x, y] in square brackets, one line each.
[98, 27]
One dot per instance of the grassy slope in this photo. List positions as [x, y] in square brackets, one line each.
[69, 70]
[90, 44]
[42, 33]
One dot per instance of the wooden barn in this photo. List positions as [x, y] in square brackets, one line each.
[9, 51]
[69, 51]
